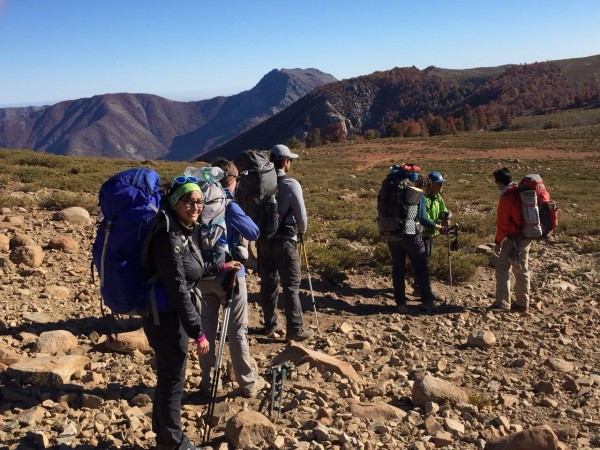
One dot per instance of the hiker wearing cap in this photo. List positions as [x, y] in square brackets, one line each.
[436, 209]
[237, 225]
[436, 212]
[407, 241]
[176, 259]
[511, 246]
[278, 258]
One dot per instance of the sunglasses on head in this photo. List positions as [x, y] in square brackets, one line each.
[182, 179]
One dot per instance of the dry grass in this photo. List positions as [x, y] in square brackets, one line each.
[341, 182]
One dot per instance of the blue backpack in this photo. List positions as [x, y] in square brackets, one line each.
[129, 202]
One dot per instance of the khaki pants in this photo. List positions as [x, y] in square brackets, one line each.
[514, 253]
[213, 296]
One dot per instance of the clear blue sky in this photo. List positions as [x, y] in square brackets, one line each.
[53, 50]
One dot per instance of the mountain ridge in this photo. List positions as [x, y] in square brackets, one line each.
[146, 126]
[412, 102]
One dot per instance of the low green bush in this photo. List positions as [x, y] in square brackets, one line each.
[60, 200]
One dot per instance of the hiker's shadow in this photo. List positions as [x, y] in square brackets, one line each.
[102, 325]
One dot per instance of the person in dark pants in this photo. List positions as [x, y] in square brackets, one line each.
[412, 245]
[174, 320]
[278, 258]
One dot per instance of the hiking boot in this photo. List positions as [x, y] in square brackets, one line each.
[416, 290]
[300, 335]
[519, 308]
[272, 332]
[433, 298]
[258, 386]
[403, 309]
[495, 307]
[428, 306]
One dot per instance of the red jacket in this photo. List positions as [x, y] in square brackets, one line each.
[509, 218]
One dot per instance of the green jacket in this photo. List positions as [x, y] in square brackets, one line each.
[436, 212]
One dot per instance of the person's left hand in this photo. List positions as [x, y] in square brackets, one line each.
[497, 248]
[202, 347]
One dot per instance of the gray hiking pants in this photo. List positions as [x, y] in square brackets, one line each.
[279, 262]
[514, 253]
[213, 296]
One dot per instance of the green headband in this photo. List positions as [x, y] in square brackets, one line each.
[181, 191]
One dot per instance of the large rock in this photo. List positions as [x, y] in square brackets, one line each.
[7, 355]
[30, 255]
[50, 371]
[74, 214]
[250, 429]
[129, 342]
[63, 243]
[56, 342]
[375, 411]
[4, 243]
[481, 339]
[296, 352]
[536, 438]
[432, 389]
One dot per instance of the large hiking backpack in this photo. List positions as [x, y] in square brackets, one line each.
[398, 208]
[256, 191]
[129, 202]
[213, 232]
[540, 214]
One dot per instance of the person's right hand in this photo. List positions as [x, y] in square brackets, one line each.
[233, 265]
[202, 347]
[497, 248]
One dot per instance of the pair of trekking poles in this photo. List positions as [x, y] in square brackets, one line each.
[278, 372]
[216, 373]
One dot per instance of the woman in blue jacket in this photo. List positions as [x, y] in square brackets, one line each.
[238, 225]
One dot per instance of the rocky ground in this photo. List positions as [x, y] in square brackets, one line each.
[459, 379]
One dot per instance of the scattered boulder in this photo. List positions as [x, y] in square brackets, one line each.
[296, 352]
[432, 389]
[50, 371]
[56, 342]
[129, 342]
[74, 214]
[63, 243]
[30, 255]
[536, 438]
[250, 429]
[481, 339]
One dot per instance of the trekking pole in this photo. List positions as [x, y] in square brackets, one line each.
[312, 294]
[219, 356]
[449, 259]
[283, 372]
[273, 371]
[453, 230]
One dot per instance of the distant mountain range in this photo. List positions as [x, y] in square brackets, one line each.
[413, 102]
[293, 106]
[144, 126]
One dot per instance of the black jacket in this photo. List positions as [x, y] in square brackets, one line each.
[178, 262]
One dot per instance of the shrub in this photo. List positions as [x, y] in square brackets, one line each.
[552, 124]
[372, 134]
[590, 247]
[60, 200]
[332, 261]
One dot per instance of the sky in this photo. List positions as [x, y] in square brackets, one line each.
[55, 50]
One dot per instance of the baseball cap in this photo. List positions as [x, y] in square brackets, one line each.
[436, 177]
[281, 151]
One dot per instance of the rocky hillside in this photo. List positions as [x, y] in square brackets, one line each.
[462, 378]
[143, 126]
[434, 101]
